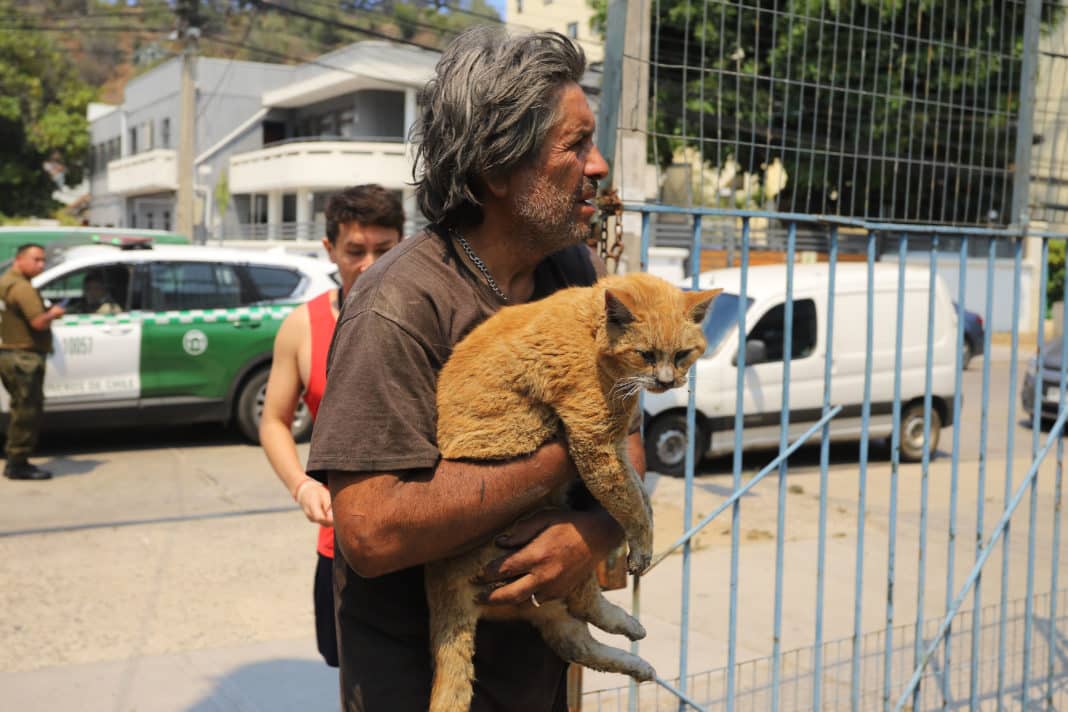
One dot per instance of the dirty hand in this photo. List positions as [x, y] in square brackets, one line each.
[553, 552]
[314, 499]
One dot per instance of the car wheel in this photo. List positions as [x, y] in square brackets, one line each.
[250, 409]
[966, 352]
[665, 445]
[912, 432]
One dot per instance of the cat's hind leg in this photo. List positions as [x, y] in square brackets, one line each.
[453, 620]
[588, 603]
[570, 638]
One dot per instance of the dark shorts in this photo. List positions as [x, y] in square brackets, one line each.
[325, 627]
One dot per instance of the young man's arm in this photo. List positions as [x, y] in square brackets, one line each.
[276, 435]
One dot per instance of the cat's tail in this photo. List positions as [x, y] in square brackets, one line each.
[453, 621]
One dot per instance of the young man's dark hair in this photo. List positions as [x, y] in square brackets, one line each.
[368, 204]
[28, 246]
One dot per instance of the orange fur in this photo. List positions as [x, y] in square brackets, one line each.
[573, 362]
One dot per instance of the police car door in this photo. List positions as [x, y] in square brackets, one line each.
[97, 344]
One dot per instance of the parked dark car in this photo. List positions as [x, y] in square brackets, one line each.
[1051, 382]
[973, 335]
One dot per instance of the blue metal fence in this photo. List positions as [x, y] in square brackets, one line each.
[922, 659]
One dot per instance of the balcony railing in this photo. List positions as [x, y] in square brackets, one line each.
[320, 164]
[149, 172]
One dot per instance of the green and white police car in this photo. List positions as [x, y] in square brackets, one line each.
[173, 334]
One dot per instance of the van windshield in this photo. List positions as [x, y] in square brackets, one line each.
[722, 319]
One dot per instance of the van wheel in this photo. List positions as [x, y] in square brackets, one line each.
[966, 352]
[665, 445]
[250, 409]
[912, 432]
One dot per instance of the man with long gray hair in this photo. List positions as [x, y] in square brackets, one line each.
[506, 171]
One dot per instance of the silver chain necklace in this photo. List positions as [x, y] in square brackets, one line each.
[480, 264]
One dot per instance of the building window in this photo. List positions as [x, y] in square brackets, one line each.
[572, 30]
[133, 141]
[149, 135]
[165, 133]
[518, 6]
[166, 219]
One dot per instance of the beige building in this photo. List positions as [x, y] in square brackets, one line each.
[568, 17]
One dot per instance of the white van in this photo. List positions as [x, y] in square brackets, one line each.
[665, 413]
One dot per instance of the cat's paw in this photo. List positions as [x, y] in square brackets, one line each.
[643, 672]
[634, 630]
[638, 561]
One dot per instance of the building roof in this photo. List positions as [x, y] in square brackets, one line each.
[373, 64]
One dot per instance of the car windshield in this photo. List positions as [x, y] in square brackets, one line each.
[722, 319]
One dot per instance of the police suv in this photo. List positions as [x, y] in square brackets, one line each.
[170, 334]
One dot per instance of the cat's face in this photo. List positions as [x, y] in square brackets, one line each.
[654, 333]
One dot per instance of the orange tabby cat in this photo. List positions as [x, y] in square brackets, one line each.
[575, 362]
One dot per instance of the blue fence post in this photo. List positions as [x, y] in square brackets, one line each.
[932, 280]
[1010, 443]
[825, 445]
[895, 462]
[736, 481]
[1051, 638]
[1029, 605]
[784, 440]
[862, 495]
[691, 461]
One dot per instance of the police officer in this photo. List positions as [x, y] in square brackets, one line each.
[26, 334]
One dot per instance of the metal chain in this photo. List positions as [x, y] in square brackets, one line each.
[480, 264]
[610, 205]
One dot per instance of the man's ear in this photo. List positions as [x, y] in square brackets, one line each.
[496, 184]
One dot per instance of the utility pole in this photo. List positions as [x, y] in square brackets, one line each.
[187, 34]
[623, 125]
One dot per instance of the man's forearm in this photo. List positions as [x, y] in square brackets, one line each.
[386, 523]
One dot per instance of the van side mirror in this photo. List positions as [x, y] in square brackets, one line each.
[756, 351]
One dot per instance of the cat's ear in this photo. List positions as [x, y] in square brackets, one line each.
[697, 303]
[616, 312]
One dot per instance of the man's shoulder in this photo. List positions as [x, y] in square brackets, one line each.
[420, 271]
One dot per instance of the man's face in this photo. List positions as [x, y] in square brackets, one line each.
[31, 262]
[358, 247]
[553, 198]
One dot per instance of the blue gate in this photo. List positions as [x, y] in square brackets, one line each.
[919, 138]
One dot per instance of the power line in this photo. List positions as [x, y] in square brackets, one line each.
[339, 24]
[380, 13]
[279, 55]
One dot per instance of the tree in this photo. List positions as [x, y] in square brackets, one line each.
[877, 108]
[42, 120]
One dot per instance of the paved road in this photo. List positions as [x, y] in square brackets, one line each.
[168, 570]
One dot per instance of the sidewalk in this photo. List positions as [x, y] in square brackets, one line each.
[274, 676]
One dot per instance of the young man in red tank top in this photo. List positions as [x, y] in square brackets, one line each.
[362, 224]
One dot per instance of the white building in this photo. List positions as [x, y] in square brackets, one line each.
[283, 138]
[568, 17]
[342, 121]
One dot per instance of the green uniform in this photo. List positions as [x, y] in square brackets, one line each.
[23, 351]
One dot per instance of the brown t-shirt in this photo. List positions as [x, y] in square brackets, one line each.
[22, 303]
[396, 330]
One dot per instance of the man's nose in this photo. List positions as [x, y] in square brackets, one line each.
[596, 166]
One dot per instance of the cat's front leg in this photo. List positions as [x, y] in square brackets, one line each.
[613, 482]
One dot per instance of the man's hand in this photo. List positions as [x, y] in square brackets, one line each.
[555, 550]
[314, 499]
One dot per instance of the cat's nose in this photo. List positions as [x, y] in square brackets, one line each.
[665, 377]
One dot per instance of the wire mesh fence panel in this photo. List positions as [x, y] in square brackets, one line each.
[880, 190]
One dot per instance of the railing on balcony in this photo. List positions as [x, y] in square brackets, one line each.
[148, 172]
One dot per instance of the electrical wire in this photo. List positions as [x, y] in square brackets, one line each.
[339, 24]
